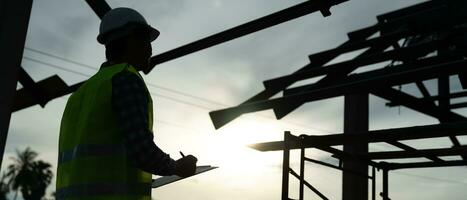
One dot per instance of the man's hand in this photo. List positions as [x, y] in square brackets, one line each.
[186, 166]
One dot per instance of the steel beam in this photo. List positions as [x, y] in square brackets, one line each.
[372, 81]
[14, 20]
[437, 97]
[316, 191]
[455, 151]
[408, 148]
[302, 173]
[425, 107]
[396, 134]
[100, 7]
[290, 13]
[385, 193]
[368, 58]
[286, 167]
[373, 183]
[29, 85]
[336, 167]
[355, 122]
[330, 78]
[50, 88]
[449, 163]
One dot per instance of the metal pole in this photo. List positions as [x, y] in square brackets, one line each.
[385, 193]
[355, 121]
[373, 183]
[302, 172]
[14, 20]
[285, 167]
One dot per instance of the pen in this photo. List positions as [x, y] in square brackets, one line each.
[181, 153]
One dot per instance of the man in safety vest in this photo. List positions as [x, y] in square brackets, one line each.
[106, 147]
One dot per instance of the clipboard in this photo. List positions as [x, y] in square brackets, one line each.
[170, 179]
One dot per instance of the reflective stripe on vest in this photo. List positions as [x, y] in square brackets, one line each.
[99, 189]
[85, 150]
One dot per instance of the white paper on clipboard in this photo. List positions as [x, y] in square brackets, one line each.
[170, 179]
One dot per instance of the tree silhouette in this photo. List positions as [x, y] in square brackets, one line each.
[29, 176]
[4, 188]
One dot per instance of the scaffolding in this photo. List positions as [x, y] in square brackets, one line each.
[377, 160]
[421, 42]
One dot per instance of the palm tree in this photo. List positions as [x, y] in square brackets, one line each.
[4, 189]
[29, 176]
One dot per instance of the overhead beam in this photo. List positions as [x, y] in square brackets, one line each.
[285, 109]
[425, 107]
[450, 163]
[369, 57]
[28, 84]
[455, 151]
[361, 61]
[288, 14]
[408, 148]
[368, 81]
[454, 95]
[396, 134]
[50, 88]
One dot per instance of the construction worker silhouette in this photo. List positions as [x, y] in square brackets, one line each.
[106, 147]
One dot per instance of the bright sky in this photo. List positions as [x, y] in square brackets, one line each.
[186, 89]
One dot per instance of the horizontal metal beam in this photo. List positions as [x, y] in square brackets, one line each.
[450, 163]
[396, 54]
[385, 22]
[458, 105]
[408, 148]
[337, 167]
[396, 134]
[330, 78]
[334, 68]
[454, 151]
[368, 81]
[360, 44]
[409, 10]
[221, 118]
[436, 98]
[290, 13]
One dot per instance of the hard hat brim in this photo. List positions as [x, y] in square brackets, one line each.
[125, 31]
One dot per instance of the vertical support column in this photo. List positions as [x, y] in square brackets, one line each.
[285, 167]
[302, 171]
[385, 192]
[373, 183]
[14, 20]
[355, 120]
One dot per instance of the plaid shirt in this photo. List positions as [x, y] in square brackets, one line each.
[130, 102]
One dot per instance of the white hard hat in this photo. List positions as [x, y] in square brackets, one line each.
[119, 22]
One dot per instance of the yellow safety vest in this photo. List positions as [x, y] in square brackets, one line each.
[92, 162]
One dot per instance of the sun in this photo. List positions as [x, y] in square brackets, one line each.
[230, 146]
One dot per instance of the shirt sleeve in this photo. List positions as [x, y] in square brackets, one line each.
[130, 103]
